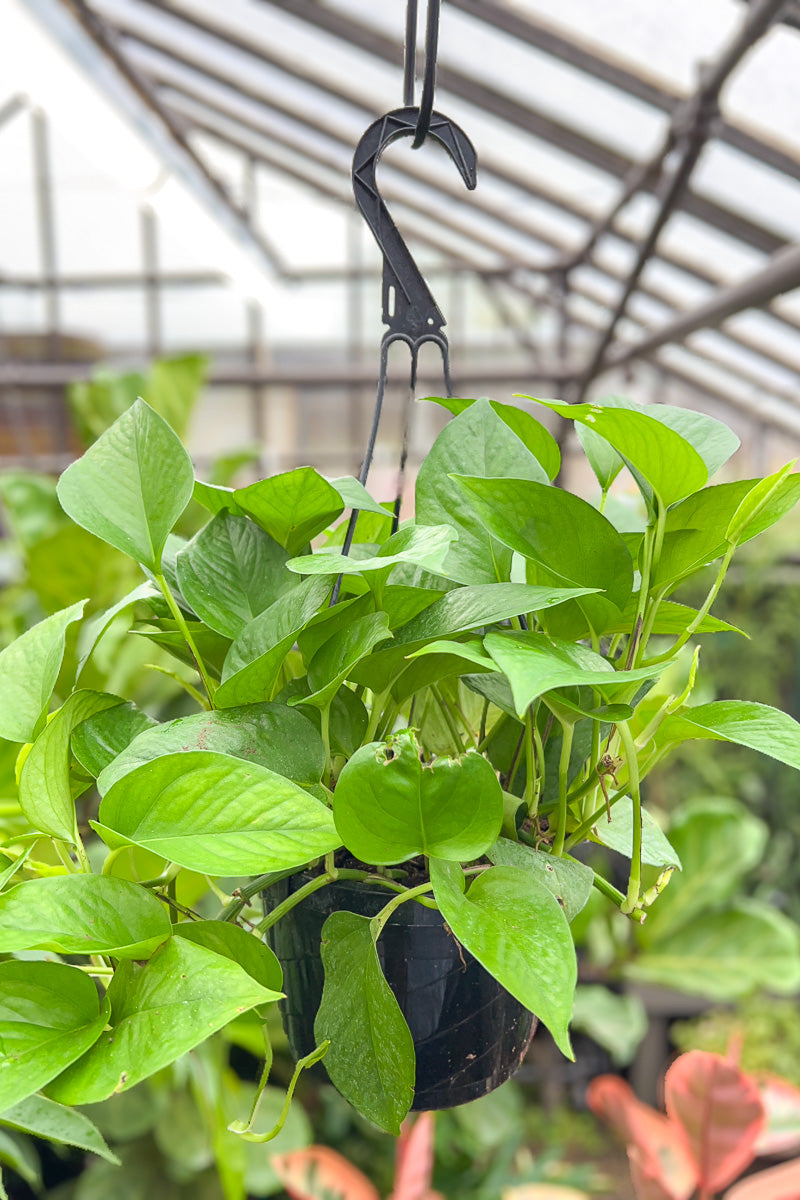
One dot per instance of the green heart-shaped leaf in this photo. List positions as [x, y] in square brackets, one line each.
[478, 442]
[235, 943]
[292, 508]
[566, 542]
[570, 881]
[371, 1056]
[535, 663]
[45, 795]
[49, 1015]
[389, 806]
[131, 486]
[232, 571]
[255, 658]
[617, 834]
[218, 815]
[44, 1118]
[425, 546]
[272, 735]
[159, 1010]
[513, 924]
[758, 726]
[29, 668]
[82, 914]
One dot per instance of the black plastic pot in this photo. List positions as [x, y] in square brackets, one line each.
[470, 1034]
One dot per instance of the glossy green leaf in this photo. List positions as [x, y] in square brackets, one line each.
[657, 454]
[231, 571]
[98, 740]
[272, 735]
[213, 647]
[45, 1119]
[293, 507]
[235, 943]
[722, 955]
[218, 815]
[694, 530]
[131, 486]
[93, 630]
[569, 880]
[256, 656]
[712, 439]
[719, 842]
[602, 458]
[459, 611]
[389, 806]
[539, 440]
[767, 502]
[371, 1055]
[29, 668]
[49, 1015]
[426, 546]
[617, 834]
[744, 722]
[535, 663]
[215, 498]
[45, 795]
[337, 657]
[566, 542]
[671, 619]
[513, 924]
[82, 914]
[478, 442]
[159, 1010]
[356, 496]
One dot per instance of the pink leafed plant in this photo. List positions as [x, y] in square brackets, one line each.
[718, 1120]
[320, 1173]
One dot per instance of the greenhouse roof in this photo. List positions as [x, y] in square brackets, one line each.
[639, 165]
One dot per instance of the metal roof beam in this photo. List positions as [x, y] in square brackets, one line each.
[219, 109]
[523, 116]
[363, 104]
[780, 276]
[532, 31]
[689, 131]
[92, 43]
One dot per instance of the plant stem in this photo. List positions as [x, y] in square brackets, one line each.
[531, 798]
[635, 877]
[702, 613]
[377, 923]
[325, 731]
[489, 737]
[180, 621]
[450, 721]
[588, 825]
[616, 897]
[567, 731]
[245, 893]
[378, 701]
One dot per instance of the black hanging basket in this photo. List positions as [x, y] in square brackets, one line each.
[470, 1035]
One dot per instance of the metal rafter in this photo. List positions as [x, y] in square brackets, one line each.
[523, 116]
[456, 195]
[363, 104]
[689, 131]
[211, 191]
[532, 31]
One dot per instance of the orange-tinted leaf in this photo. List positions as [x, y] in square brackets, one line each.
[781, 1100]
[647, 1180]
[662, 1159]
[720, 1111]
[778, 1183]
[319, 1173]
[412, 1177]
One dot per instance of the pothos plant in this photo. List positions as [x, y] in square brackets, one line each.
[447, 711]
